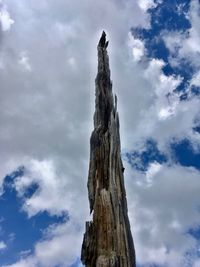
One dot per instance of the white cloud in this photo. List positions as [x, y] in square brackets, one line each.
[186, 45]
[137, 47]
[61, 45]
[5, 19]
[162, 213]
[153, 169]
[61, 246]
[24, 61]
[197, 263]
[56, 195]
[153, 109]
[59, 250]
[64, 193]
[164, 111]
[146, 4]
[29, 262]
[196, 79]
[47, 118]
[2, 245]
[47, 113]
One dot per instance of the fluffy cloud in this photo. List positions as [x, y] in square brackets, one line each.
[186, 45]
[47, 106]
[196, 79]
[24, 61]
[64, 193]
[42, 106]
[2, 245]
[137, 47]
[162, 212]
[155, 109]
[197, 263]
[46, 110]
[5, 20]
[146, 4]
[61, 246]
[151, 172]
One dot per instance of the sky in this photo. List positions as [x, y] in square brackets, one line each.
[48, 63]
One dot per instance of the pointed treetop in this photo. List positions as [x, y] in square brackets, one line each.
[102, 42]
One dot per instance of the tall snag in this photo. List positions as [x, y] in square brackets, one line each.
[107, 241]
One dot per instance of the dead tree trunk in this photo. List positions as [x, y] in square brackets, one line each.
[107, 241]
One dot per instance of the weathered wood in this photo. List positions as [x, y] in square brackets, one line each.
[107, 241]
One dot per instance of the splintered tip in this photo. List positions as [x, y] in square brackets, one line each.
[103, 33]
[102, 42]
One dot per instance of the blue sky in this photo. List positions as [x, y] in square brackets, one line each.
[47, 72]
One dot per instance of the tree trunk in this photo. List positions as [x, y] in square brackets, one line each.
[107, 241]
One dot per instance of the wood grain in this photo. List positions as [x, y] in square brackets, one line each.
[107, 240]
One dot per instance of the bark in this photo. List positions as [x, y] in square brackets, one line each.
[107, 241]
